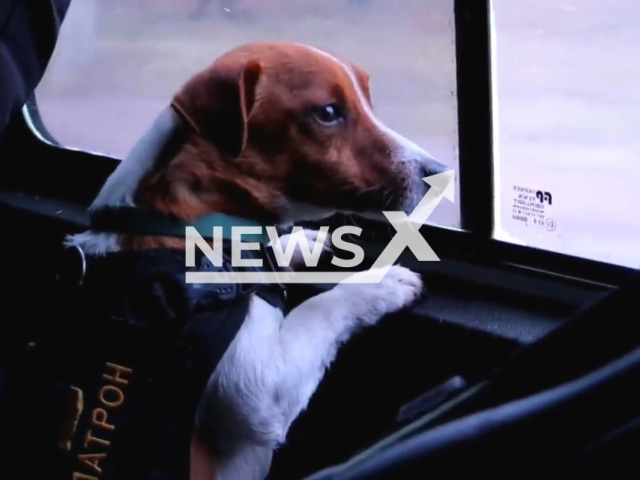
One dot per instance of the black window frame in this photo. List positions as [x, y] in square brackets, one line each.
[42, 175]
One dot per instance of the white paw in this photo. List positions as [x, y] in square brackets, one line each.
[309, 238]
[403, 285]
[399, 288]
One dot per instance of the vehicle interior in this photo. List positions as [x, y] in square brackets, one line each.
[520, 360]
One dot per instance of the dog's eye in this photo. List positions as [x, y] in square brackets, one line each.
[329, 114]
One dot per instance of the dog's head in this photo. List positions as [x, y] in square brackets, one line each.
[297, 124]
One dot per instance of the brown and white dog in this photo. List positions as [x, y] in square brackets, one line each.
[282, 133]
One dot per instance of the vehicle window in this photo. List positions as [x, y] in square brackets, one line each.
[118, 62]
[567, 114]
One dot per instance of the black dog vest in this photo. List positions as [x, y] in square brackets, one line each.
[121, 374]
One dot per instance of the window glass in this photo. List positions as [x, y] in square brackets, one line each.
[567, 94]
[118, 62]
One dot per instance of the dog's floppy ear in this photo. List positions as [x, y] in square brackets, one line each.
[363, 81]
[217, 103]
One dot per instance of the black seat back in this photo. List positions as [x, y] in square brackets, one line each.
[28, 33]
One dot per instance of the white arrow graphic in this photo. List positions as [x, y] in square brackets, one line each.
[408, 234]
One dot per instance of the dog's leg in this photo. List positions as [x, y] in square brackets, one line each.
[274, 365]
[310, 237]
[313, 331]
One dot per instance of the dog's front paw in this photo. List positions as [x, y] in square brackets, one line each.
[402, 287]
[398, 288]
[308, 238]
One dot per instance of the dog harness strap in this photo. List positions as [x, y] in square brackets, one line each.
[142, 221]
[120, 377]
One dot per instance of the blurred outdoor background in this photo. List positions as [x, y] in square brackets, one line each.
[567, 93]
